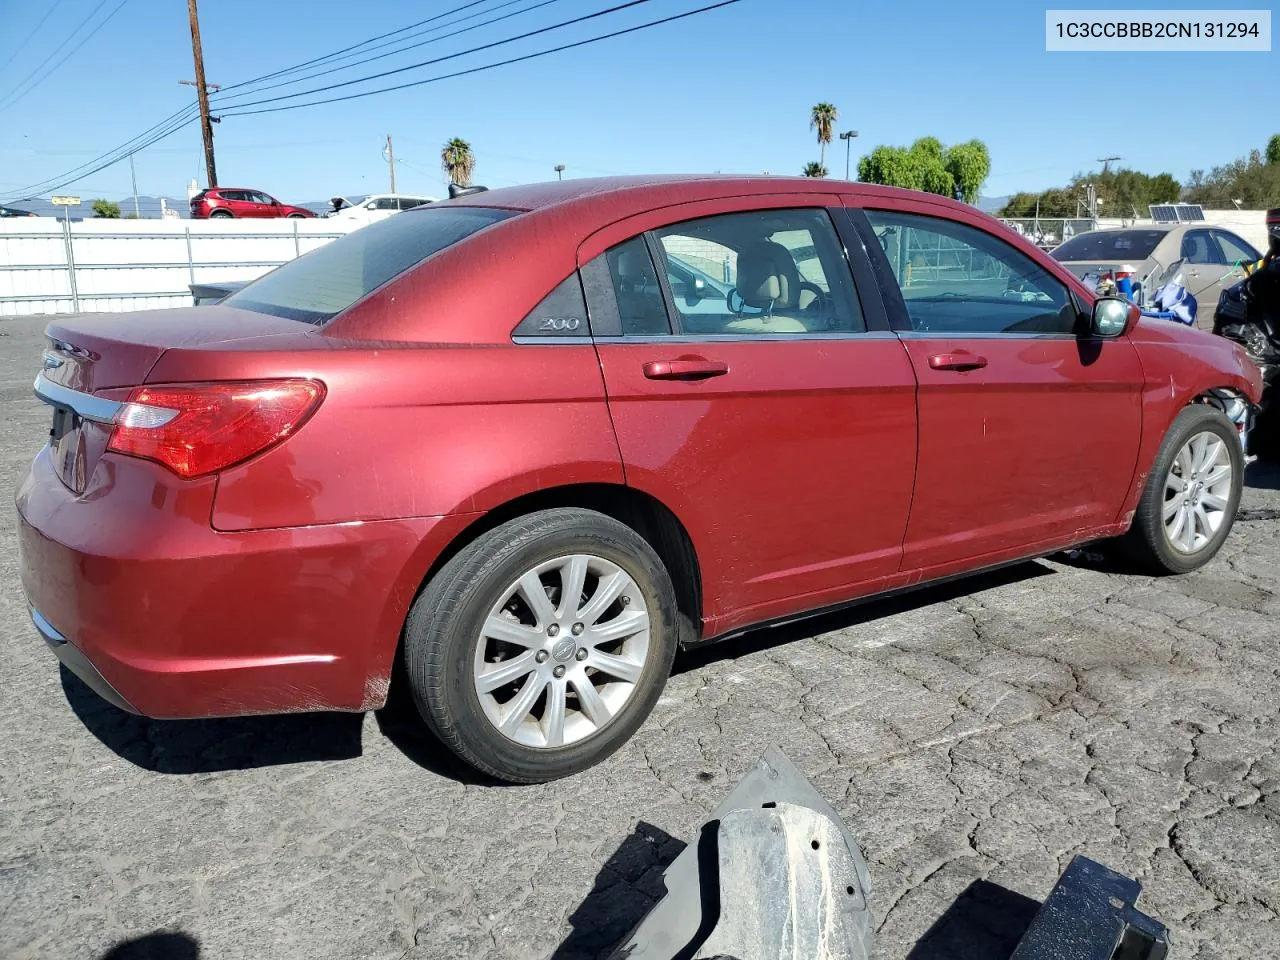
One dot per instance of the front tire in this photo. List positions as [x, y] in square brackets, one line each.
[541, 647]
[1192, 494]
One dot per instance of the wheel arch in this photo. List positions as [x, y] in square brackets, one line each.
[642, 512]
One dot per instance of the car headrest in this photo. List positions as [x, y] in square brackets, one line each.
[767, 276]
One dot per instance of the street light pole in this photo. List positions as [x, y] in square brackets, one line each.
[137, 213]
[847, 137]
[559, 171]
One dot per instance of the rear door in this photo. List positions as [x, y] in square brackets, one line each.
[1028, 431]
[756, 394]
[1205, 266]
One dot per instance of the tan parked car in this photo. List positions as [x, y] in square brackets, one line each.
[1212, 258]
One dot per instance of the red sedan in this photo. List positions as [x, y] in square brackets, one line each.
[219, 202]
[532, 441]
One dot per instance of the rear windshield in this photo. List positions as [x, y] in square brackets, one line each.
[1110, 245]
[321, 284]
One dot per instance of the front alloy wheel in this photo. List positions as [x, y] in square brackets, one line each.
[1197, 492]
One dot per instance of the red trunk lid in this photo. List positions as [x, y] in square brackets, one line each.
[106, 354]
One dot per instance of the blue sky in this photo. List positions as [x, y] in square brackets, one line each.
[729, 90]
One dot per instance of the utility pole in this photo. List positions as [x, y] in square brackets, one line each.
[202, 91]
[390, 155]
[1106, 162]
[137, 213]
[847, 137]
[559, 171]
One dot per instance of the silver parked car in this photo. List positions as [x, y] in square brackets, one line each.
[1210, 258]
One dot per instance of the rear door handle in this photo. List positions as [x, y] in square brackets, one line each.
[957, 361]
[685, 369]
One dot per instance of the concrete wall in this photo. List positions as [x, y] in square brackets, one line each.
[47, 266]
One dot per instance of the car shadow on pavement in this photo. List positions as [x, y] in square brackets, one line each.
[1262, 475]
[162, 945]
[985, 923]
[209, 746]
[768, 637]
[625, 889]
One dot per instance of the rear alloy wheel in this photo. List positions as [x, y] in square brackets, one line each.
[541, 647]
[1192, 495]
[220, 214]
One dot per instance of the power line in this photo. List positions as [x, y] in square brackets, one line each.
[15, 97]
[354, 46]
[488, 66]
[427, 63]
[27, 39]
[86, 170]
[412, 46]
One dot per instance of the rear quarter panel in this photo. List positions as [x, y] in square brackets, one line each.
[415, 430]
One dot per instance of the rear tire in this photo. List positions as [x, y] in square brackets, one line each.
[220, 215]
[530, 688]
[1192, 494]
[295, 216]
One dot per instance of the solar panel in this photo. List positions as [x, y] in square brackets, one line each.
[1176, 212]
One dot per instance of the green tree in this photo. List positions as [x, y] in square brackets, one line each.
[106, 209]
[969, 165]
[814, 169]
[457, 161]
[1273, 149]
[1249, 180]
[823, 118]
[929, 166]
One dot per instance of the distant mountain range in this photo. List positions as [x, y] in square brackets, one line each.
[992, 204]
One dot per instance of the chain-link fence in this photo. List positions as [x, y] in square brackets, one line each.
[1048, 232]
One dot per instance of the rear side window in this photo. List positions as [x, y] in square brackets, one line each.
[1109, 245]
[318, 286]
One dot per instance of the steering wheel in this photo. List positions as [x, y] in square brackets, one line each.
[821, 304]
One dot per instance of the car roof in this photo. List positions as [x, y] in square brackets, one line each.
[645, 192]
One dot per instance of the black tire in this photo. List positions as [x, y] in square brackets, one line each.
[295, 216]
[221, 215]
[445, 624]
[1148, 543]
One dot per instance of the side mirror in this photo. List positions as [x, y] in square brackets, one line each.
[1110, 317]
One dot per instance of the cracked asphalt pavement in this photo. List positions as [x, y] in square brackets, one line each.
[974, 737]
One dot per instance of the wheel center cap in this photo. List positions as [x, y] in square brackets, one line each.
[564, 650]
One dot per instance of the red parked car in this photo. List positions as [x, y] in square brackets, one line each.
[531, 441]
[237, 202]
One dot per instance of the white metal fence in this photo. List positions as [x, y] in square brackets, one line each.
[51, 266]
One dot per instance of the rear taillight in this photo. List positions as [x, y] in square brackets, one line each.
[200, 428]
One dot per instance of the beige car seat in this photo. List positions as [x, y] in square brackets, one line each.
[769, 281]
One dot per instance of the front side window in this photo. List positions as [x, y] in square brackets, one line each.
[1235, 249]
[321, 284]
[386, 203]
[957, 279]
[760, 272]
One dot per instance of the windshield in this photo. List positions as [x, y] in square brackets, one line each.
[1110, 245]
[321, 284]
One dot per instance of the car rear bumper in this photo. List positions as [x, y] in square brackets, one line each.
[164, 616]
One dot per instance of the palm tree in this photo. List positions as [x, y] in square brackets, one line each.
[458, 162]
[814, 170]
[823, 118]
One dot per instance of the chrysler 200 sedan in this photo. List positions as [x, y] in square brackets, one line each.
[506, 442]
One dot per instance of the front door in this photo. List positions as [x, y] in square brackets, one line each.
[749, 395]
[1028, 431]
